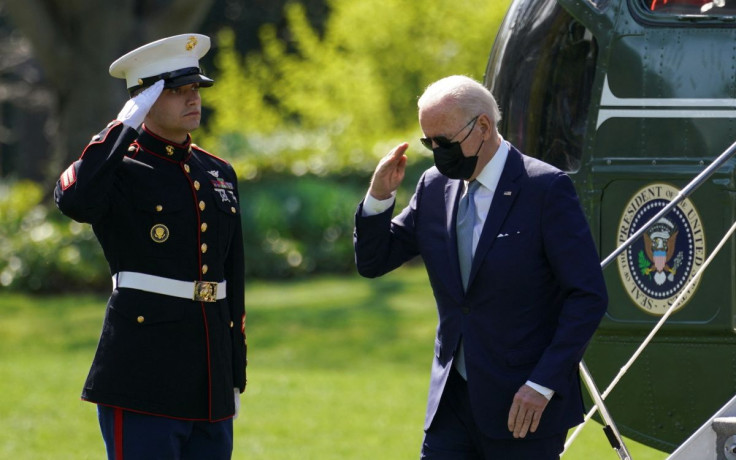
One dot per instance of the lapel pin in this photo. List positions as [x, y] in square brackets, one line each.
[507, 193]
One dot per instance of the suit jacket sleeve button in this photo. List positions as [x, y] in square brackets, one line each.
[141, 319]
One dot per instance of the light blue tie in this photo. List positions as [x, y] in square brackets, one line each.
[465, 223]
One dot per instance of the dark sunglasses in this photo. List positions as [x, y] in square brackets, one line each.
[444, 142]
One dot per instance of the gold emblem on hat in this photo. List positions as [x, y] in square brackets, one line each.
[191, 43]
[169, 150]
[159, 233]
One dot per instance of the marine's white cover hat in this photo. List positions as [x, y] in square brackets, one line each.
[173, 59]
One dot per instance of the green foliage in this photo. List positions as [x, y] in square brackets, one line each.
[323, 108]
[298, 227]
[290, 228]
[41, 250]
[339, 101]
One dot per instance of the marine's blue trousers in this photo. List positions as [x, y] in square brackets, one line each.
[133, 436]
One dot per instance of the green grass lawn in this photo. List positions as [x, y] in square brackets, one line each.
[338, 369]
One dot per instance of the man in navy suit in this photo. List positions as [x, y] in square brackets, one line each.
[514, 322]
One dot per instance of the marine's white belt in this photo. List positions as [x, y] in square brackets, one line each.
[201, 291]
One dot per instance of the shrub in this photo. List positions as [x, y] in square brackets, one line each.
[291, 228]
[43, 251]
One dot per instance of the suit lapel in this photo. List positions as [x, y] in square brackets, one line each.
[504, 197]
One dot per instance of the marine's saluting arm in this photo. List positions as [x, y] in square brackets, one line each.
[82, 191]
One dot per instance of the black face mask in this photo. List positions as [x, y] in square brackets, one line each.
[451, 162]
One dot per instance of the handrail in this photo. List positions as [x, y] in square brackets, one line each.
[610, 429]
[680, 298]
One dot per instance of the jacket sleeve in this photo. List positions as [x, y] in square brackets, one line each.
[83, 189]
[573, 257]
[382, 244]
[235, 276]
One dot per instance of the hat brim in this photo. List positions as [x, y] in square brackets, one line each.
[176, 82]
[187, 80]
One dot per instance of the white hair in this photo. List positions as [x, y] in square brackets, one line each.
[467, 94]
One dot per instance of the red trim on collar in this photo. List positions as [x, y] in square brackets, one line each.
[194, 146]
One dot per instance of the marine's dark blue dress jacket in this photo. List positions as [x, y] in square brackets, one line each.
[169, 210]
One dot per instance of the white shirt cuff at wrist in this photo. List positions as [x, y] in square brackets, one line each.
[373, 206]
[546, 392]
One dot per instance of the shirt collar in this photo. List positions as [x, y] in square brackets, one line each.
[491, 173]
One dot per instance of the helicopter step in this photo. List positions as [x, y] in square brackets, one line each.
[715, 439]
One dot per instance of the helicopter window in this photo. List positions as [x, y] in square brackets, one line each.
[694, 7]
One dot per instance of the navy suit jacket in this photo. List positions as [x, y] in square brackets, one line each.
[535, 296]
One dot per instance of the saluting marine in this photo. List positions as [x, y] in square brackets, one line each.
[170, 363]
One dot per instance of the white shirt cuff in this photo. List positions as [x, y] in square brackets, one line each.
[373, 206]
[546, 392]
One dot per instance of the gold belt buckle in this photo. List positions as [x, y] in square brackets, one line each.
[205, 291]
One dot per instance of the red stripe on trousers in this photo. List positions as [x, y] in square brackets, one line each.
[118, 427]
